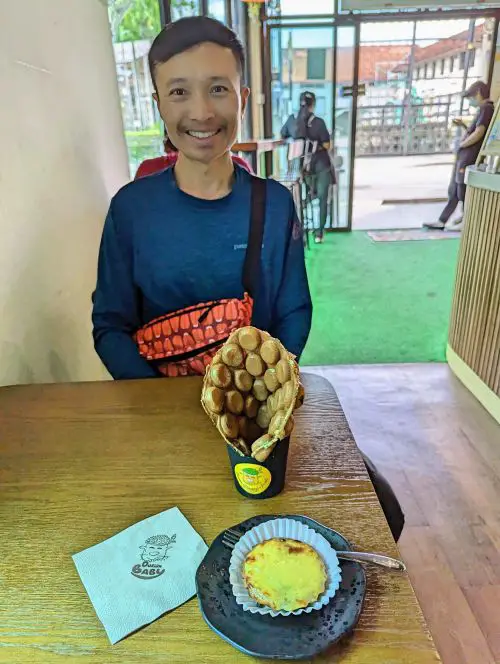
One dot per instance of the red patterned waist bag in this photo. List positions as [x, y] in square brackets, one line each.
[183, 342]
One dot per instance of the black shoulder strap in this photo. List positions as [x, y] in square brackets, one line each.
[251, 267]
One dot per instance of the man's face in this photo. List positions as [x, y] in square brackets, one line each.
[201, 101]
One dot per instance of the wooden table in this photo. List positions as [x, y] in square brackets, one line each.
[257, 147]
[80, 462]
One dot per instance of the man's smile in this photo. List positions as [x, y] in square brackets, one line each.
[203, 135]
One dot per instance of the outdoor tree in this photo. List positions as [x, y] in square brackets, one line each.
[116, 11]
[180, 8]
[140, 20]
[132, 20]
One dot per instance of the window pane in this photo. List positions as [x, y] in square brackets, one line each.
[316, 63]
[298, 7]
[386, 33]
[217, 10]
[183, 8]
[133, 33]
[238, 12]
[292, 66]
[438, 30]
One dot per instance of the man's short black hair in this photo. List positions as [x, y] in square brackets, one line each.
[186, 33]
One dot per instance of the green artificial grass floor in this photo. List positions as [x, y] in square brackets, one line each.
[379, 302]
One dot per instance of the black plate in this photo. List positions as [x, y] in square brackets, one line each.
[283, 637]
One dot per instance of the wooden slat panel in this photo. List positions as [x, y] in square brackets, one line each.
[475, 318]
[459, 280]
[474, 272]
[468, 249]
[490, 350]
[481, 303]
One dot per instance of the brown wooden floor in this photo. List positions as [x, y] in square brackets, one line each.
[441, 451]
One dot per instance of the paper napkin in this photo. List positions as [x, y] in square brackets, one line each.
[142, 572]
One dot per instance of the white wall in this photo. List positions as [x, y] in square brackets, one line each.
[62, 156]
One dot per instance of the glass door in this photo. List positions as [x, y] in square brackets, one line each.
[413, 74]
[304, 58]
[301, 60]
[345, 105]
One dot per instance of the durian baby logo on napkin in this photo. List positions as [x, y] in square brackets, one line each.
[115, 572]
[153, 554]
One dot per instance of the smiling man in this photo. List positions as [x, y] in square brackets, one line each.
[203, 248]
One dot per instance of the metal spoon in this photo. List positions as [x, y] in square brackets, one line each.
[230, 539]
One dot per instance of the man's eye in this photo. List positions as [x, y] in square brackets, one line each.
[219, 89]
[177, 92]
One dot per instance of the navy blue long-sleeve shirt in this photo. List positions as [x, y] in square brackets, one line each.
[163, 250]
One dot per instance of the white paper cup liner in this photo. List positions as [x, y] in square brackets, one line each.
[288, 529]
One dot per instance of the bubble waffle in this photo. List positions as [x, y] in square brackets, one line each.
[250, 391]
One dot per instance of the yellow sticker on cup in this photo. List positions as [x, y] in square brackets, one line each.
[252, 478]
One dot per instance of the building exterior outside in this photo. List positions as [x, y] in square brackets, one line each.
[411, 92]
[412, 89]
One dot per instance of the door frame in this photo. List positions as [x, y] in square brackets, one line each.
[332, 24]
[339, 20]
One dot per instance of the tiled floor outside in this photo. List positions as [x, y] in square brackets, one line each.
[377, 179]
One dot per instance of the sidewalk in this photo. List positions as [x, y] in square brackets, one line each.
[379, 179]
